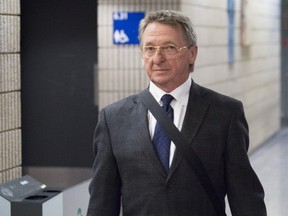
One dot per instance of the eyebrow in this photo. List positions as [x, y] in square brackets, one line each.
[165, 43]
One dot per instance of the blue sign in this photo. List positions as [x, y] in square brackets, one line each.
[126, 27]
[231, 29]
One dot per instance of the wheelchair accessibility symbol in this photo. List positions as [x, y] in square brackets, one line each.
[120, 36]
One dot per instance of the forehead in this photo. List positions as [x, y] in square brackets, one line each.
[158, 33]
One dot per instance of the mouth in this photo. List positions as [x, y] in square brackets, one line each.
[160, 70]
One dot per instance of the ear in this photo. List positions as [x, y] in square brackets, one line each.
[193, 54]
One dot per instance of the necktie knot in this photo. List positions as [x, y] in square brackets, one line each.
[166, 100]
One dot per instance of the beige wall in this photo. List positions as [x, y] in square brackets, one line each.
[254, 77]
[10, 123]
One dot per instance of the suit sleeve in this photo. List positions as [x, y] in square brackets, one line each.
[104, 188]
[244, 190]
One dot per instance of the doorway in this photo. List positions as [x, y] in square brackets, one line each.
[58, 55]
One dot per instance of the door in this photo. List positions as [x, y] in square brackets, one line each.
[58, 55]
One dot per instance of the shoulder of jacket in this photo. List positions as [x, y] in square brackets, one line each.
[217, 98]
[122, 103]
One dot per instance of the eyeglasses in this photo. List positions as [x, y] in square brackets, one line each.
[167, 51]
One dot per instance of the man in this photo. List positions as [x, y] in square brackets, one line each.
[130, 169]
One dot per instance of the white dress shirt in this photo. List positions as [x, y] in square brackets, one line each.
[179, 105]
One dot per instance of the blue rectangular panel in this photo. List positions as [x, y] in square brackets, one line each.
[125, 26]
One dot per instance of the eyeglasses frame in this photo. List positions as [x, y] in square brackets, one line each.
[158, 49]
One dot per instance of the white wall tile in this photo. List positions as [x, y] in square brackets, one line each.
[9, 33]
[9, 72]
[9, 6]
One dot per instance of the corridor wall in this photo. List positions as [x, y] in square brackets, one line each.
[10, 104]
[252, 77]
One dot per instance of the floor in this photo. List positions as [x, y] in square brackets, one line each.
[270, 162]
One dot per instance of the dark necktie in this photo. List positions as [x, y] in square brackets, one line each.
[160, 139]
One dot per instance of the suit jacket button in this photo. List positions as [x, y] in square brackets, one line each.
[169, 186]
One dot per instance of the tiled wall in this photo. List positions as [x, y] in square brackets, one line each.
[120, 72]
[10, 105]
[254, 77]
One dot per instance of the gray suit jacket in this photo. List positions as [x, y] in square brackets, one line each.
[127, 169]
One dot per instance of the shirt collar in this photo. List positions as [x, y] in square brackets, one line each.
[181, 93]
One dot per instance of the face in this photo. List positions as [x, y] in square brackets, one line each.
[167, 74]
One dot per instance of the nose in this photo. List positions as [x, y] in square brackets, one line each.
[158, 57]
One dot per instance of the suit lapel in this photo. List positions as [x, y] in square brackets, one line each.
[195, 113]
[144, 138]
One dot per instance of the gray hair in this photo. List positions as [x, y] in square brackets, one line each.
[172, 18]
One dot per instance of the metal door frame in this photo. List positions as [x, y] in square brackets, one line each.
[284, 63]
